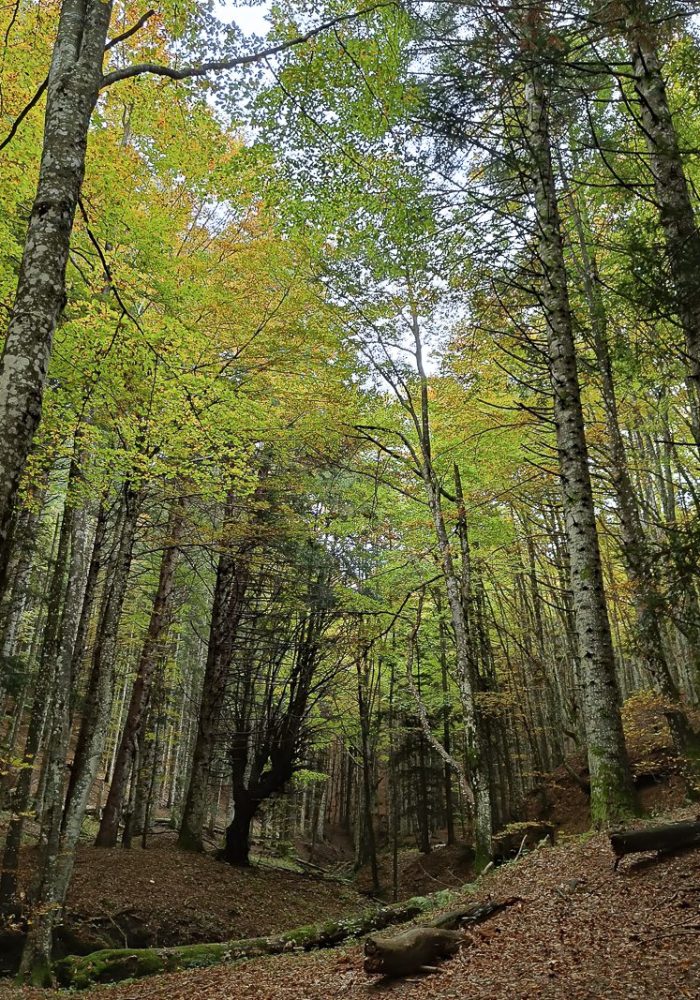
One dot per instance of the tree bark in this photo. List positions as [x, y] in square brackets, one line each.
[74, 81]
[636, 554]
[36, 959]
[89, 597]
[612, 794]
[670, 837]
[24, 540]
[237, 845]
[44, 694]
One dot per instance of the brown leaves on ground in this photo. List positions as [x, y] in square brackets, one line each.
[420, 874]
[164, 896]
[580, 933]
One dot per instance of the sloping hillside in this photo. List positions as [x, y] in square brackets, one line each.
[581, 932]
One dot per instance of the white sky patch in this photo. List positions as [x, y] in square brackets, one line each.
[250, 18]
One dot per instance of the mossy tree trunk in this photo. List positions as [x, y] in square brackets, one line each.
[112, 965]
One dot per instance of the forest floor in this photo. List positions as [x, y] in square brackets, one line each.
[580, 932]
[164, 896]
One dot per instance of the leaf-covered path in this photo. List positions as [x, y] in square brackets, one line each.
[581, 932]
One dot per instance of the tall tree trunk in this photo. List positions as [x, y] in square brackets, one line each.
[152, 650]
[612, 795]
[670, 186]
[638, 559]
[148, 791]
[89, 598]
[394, 773]
[36, 957]
[57, 745]
[423, 759]
[446, 732]
[467, 673]
[364, 708]
[44, 694]
[229, 593]
[74, 81]
[144, 765]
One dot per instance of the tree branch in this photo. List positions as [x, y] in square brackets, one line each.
[41, 89]
[189, 72]
[23, 113]
[130, 31]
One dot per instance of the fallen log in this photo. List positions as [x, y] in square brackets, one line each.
[114, 964]
[473, 914]
[410, 951]
[420, 947]
[666, 838]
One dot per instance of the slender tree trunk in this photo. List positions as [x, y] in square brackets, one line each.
[446, 733]
[363, 706]
[467, 674]
[394, 806]
[423, 758]
[59, 737]
[89, 596]
[152, 649]
[143, 776]
[100, 687]
[149, 788]
[442, 751]
[73, 87]
[612, 795]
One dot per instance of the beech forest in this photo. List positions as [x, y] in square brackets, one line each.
[349, 499]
